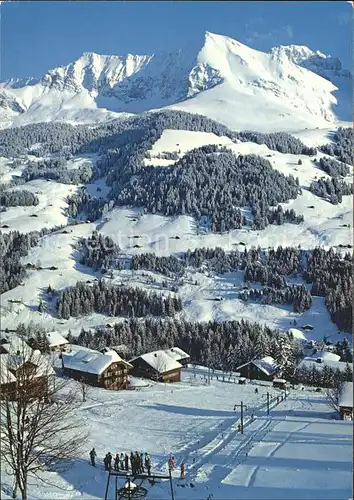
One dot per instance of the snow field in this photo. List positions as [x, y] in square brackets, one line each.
[323, 226]
[297, 450]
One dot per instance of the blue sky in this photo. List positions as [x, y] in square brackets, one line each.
[37, 36]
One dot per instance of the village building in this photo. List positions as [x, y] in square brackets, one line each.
[20, 365]
[107, 370]
[158, 365]
[325, 355]
[320, 362]
[179, 355]
[259, 369]
[57, 342]
[345, 401]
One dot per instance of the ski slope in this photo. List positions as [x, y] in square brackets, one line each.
[299, 451]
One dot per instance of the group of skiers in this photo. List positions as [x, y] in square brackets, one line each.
[138, 462]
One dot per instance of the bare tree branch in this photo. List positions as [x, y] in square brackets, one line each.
[38, 426]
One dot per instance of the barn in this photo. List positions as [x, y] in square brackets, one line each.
[157, 365]
[345, 401]
[259, 369]
[107, 370]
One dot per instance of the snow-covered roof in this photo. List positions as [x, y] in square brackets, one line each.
[326, 355]
[297, 334]
[55, 339]
[160, 361]
[5, 374]
[267, 365]
[16, 345]
[310, 362]
[279, 380]
[90, 361]
[346, 395]
[177, 354]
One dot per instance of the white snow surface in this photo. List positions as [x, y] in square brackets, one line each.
[218, 77]
[299, 451]
[325, 225]
[326, 356]
[346, 395]
[298, 334]
[310, 362]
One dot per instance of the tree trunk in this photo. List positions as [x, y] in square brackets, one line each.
[14, 488]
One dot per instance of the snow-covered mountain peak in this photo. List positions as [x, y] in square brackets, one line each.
[314, 60]
[218, 76]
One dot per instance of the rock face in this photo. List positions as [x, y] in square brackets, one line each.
[220, 78]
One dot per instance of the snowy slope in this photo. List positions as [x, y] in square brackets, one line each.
[325, 225]
[296, 452]
[220, 78]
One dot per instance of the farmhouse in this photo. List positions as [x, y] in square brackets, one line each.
[259, 369]
[157, 365]
[107, 370]
[345, 402]
[57, 342]
[22, 366]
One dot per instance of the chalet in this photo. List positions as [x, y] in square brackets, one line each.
[157, 365]
[259, 369]
[325, 355]
[178, 355]
[22, 366]
[57, 342]
[345, 401]
[107, 370]
[320, 362]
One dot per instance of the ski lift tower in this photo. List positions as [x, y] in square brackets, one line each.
[129, 486]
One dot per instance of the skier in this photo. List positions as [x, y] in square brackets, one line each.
[141, 462]
[256, 390]
[116, 462]
[132, 462]
[171, 462]
[137, 462]
[109, 460]
[126, 462]
[105, 461]
[148, 463]
[121, 461]
[92, 457]
[182, 471]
